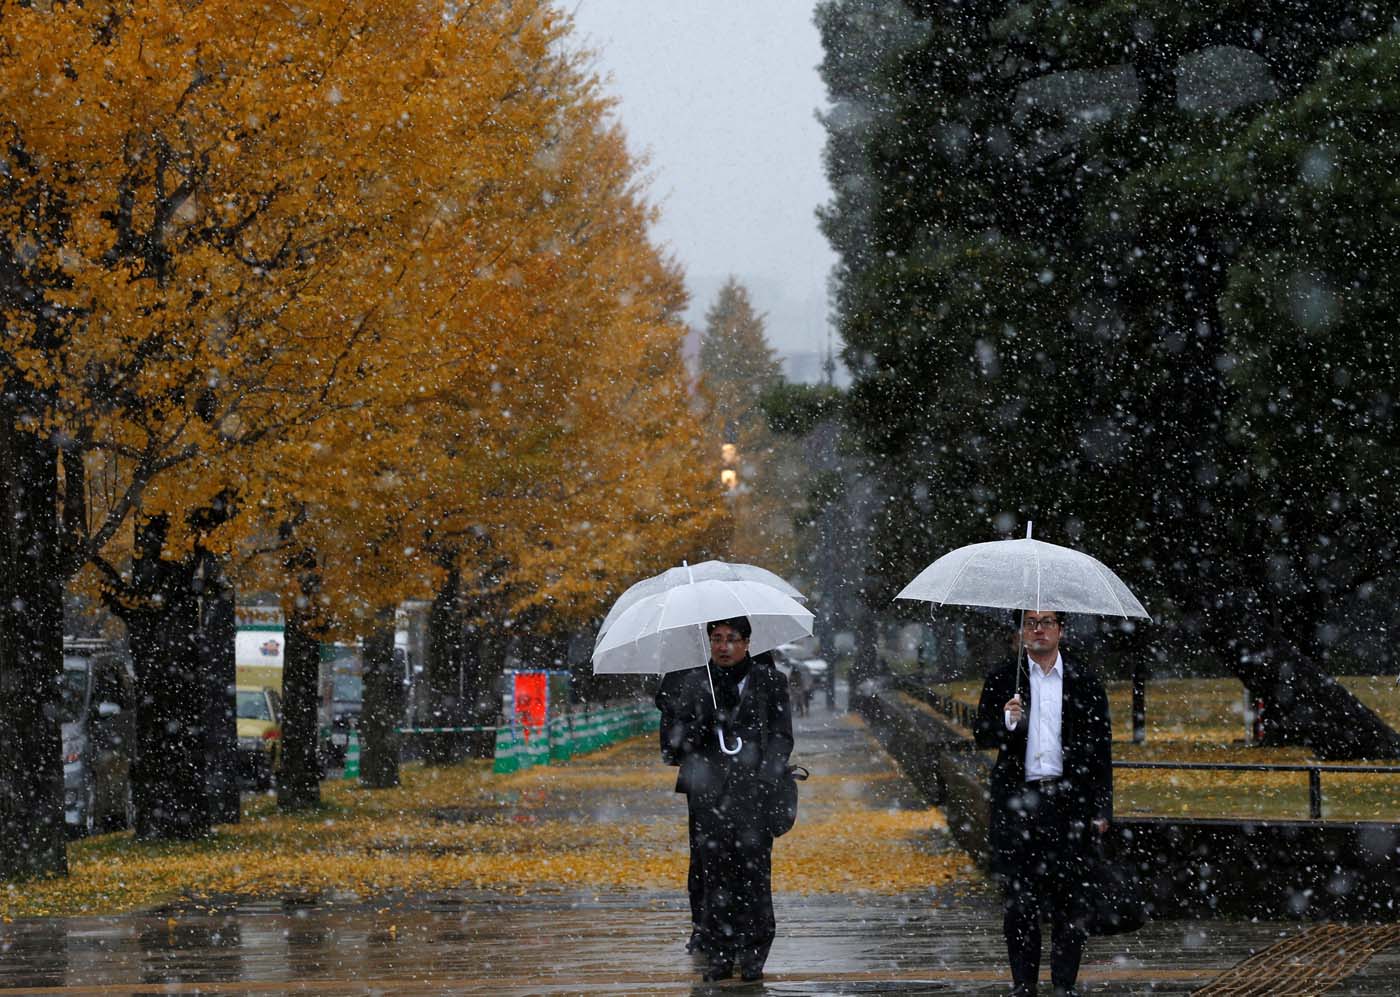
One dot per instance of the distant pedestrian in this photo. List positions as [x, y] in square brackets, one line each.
[736, 737]
[1051, 788]
[797, 689]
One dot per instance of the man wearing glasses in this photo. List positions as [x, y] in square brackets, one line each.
[732, 739]
[1051, 789]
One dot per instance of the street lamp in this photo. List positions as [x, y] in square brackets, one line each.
[729, 472]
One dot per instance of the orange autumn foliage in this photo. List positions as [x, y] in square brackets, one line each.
[379, 270]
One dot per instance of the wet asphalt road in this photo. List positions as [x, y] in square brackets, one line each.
[568, 942]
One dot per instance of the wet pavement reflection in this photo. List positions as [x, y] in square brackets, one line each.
[574, 942]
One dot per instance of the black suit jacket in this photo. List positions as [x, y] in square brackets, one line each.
[1086, 738]
[763, 719]
[670, 693]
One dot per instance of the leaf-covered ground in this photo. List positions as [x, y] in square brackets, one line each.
[609, 821]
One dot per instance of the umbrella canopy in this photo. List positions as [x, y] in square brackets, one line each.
[665, 632]
[684, 575]
[1024, 574]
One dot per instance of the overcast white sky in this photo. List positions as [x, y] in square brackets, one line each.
[722, 95]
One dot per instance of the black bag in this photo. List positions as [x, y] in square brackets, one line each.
[782, 807]
[1114, 900]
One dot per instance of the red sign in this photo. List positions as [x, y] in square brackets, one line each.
[531, 698]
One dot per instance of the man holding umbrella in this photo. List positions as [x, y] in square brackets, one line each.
[734, 730]
[728, 728]
[1051, 789]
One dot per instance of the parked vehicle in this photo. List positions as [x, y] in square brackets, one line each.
[259, 658]
[99, 735]
[259, 712]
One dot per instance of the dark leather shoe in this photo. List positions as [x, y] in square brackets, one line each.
[717, 971]
[1021, 990]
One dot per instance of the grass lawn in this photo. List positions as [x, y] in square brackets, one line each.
[1380, 692]
[1202, 720]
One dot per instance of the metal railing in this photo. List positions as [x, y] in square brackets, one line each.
[965, 714]
[1314, 773]
[955, 709]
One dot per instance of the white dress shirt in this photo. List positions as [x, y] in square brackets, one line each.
[1044, 754]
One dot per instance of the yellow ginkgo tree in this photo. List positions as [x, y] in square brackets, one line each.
[539, 446]
[212, 236]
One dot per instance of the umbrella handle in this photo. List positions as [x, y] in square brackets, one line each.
[738, 745]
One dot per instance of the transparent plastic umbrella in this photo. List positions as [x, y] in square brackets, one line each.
[1026, 575]
[665, 632]
[687, 573]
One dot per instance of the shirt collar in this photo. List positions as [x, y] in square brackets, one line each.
[1058, 671]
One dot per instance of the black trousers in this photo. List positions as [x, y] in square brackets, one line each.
[736, 857]
[1042, 877]
[694, 880]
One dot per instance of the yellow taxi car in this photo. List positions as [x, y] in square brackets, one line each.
[259, 734]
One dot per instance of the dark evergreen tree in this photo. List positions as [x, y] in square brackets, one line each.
[1304, 194]
[1037, 315]
[736, 362]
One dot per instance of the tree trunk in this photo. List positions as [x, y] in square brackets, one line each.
[444, 670]
[299, 783]
[483, 658]
[866, 664]
[31, 655]
[161, 613]
[383, 708]
[1140, 669]
[1304, 705]
[217, 628]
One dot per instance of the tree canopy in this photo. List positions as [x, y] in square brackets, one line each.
[1122, 270]
[338, 281]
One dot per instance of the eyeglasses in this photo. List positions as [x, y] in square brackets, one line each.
[1045, 623]
[717, 639]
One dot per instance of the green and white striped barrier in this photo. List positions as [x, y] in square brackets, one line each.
[536, 747]
[507, 750]
[565, 737]
[352, 755]
[562, 738]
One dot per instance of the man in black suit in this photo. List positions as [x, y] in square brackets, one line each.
[735, 729]
[1051, 788]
